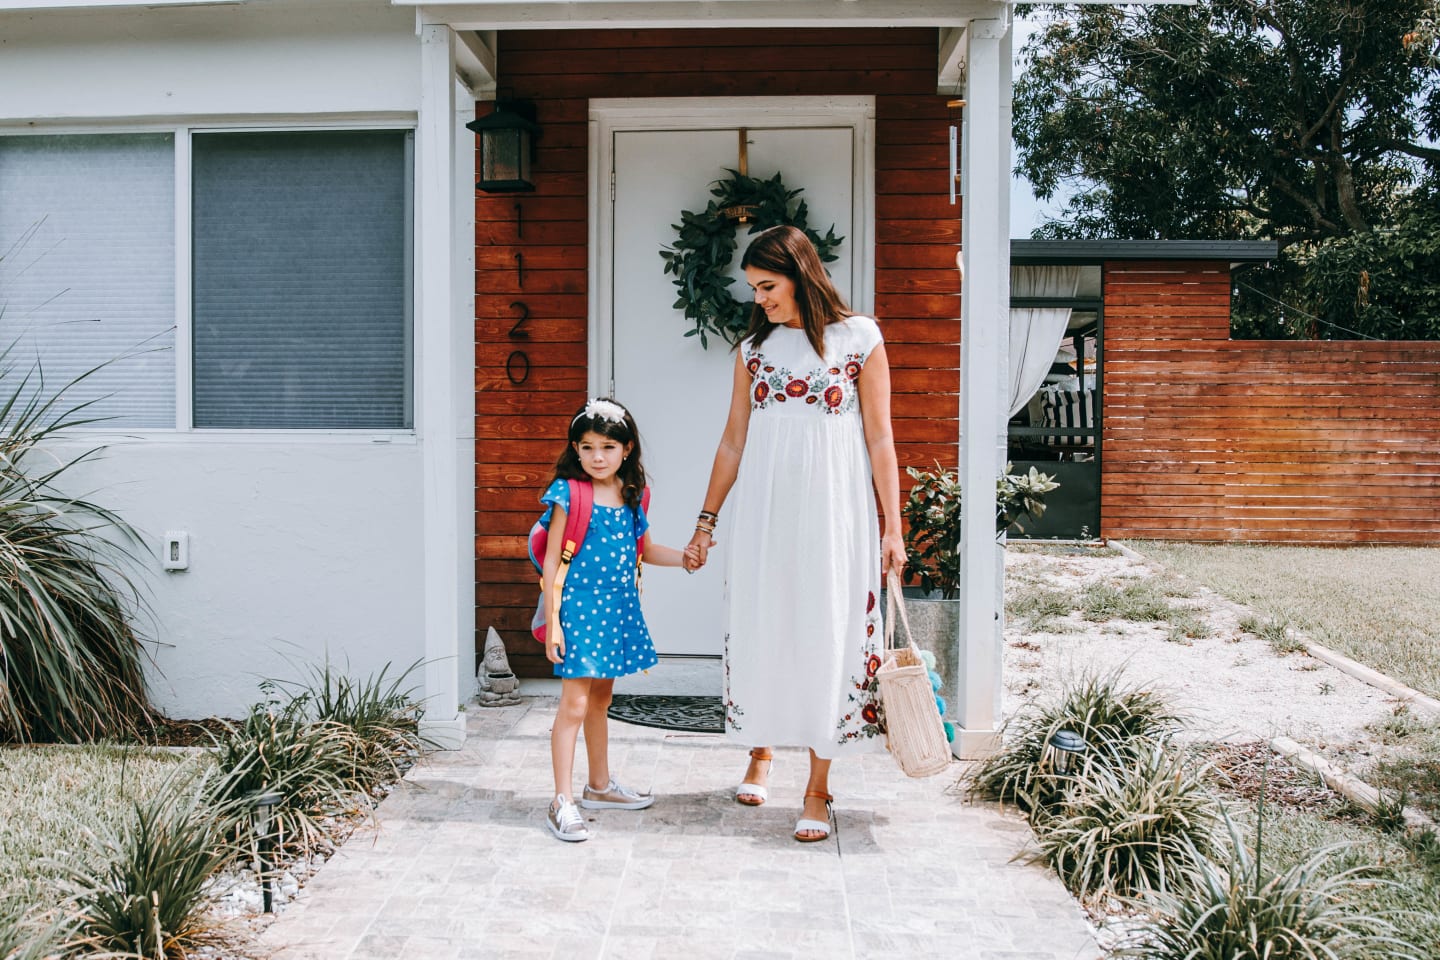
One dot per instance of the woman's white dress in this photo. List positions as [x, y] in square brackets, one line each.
[803, 636]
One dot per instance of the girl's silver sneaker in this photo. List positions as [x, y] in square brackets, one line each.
[565, 821]
[614, 797]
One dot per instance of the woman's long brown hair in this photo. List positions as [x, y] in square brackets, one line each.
[787, 251]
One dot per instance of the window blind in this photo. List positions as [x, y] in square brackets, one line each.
[302, 279]
[87, 268]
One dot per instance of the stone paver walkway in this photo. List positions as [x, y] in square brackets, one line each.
[459, 864]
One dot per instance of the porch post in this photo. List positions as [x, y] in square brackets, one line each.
[449, 640]
[984, 354]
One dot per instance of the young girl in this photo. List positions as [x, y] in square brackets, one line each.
[595, 631]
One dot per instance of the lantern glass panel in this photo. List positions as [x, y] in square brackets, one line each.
[505, 155]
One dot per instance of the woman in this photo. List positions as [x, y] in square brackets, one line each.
[809, 425]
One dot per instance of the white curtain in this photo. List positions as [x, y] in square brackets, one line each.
[1036, 332]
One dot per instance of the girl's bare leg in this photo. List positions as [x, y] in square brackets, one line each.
[574, 700]
[597, 732]
[758, 771]
[819, 782]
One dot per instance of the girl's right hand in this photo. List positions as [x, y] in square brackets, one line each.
[554, 644]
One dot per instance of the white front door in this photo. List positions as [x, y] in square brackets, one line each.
[678, 391]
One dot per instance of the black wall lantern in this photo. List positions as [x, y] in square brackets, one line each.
[507, 137]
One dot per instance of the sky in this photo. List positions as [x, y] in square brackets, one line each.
[1026, 213]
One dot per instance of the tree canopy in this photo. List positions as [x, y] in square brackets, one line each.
[1310, 122]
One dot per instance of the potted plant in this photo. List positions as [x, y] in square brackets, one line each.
[932, 545]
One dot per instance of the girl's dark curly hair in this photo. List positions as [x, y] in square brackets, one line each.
[631, 472]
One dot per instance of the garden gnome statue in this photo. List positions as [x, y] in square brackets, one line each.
[499, 687]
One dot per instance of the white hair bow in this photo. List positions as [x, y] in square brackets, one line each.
[603, 409]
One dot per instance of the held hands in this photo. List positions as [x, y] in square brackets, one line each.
[697, 551]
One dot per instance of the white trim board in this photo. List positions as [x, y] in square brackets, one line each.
[607, 117]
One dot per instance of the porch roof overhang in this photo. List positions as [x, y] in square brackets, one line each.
[1038, 252]
[672, 14]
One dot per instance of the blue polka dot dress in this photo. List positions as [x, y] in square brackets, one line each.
[605, 632]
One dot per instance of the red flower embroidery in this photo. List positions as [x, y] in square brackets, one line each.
[769, 369]
[797, 388]
[852, 369]
[869, 714]
[780, 397]
[870, 630]
[811, 399]
[870, 603]
[753, 365]
[762, 390]
[834, 370]
[872, 665]
[833, 396]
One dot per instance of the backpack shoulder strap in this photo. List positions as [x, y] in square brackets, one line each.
[577, 519]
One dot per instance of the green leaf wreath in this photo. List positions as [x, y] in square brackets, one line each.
[701, 255]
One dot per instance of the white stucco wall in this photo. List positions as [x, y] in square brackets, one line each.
[297, 549]
[267, 57]
[301, 545]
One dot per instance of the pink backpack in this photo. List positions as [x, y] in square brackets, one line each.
[577, 522]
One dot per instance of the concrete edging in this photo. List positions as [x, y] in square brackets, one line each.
[1347, 785]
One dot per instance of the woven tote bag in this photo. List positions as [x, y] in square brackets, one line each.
[914, 730]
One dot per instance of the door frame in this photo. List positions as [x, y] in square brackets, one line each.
[609, 116]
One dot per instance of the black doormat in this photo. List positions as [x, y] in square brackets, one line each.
[690, 714]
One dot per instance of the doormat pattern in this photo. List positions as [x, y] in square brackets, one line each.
[688, 713]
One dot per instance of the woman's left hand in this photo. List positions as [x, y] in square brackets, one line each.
[892, 554]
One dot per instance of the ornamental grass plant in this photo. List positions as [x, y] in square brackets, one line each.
[1232, 906]
[1130, 823]
[1116, 719]
[309, 763]
[379, 711]
[72, 660]
[149, 895]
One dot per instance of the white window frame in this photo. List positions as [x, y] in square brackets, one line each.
[181, 133]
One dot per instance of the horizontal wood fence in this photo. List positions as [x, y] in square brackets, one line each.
[519, 429]
[1208, 438]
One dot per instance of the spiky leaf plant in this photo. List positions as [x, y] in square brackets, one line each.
[26, 935]
[1232, 908]
[1130, 824]
[71, 661]
[308, 762]
[149, 895]
[379, 710]
[1113, 716]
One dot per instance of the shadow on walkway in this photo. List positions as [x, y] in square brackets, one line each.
[459, 864]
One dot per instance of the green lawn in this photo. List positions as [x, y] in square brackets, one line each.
[1377, 605]
[54, 797]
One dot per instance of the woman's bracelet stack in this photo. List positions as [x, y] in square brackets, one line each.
[706, 522]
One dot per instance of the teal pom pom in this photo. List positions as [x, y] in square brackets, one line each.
[927, 658]
[940, 702]
[934, 682]
[949, 732]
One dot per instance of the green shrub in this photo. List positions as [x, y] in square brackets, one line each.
[1113, 717]
[1234, 909]
[308, 762]
[72, 662]
[150, 892]
[1130, 824]
[378, 711]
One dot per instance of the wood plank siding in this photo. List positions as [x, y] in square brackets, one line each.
[1208, 438]
[518, 430]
